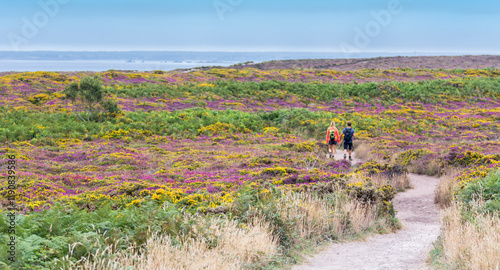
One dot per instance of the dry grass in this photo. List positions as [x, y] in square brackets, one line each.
[399, 182]
[221, 243]
[360, 216]
[430, 168]
[235, 248]
[444, 191]
[363, 150]
[226, 245]
[470, 245]
[315, 218]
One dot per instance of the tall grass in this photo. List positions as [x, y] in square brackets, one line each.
[399, 182]
[426, 167]
[228, 246]
[314, 218]
[470, 236]
[443, 195]
[471, 243]
[363, 150]
[225, 243]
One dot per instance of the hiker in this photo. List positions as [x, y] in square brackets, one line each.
[348, 134]
[332, 138]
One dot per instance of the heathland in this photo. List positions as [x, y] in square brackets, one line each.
[226, 168]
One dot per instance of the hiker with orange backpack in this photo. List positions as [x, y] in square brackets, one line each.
[332, 138]
[348, 134]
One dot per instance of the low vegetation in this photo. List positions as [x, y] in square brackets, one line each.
[229, 164]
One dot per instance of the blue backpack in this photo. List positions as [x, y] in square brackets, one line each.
[348, 132]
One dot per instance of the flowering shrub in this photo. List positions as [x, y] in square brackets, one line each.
[408, 156]
[223, 141]
[470, 158]
[217, 128]
[278, 171]
[367, 193]
[373, 167]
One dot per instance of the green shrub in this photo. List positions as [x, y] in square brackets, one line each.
[385, 92]
[88, 97]
[486, 189]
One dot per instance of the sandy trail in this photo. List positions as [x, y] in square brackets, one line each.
[339, 155]
[407, 249]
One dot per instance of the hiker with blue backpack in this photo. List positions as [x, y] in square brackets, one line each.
[332, 138]
[348, 134]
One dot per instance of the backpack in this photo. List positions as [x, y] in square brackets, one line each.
[348, 135]
[332, 135]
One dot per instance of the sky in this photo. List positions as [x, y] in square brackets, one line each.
[451, 26]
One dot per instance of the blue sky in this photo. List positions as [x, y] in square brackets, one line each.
[252, 25]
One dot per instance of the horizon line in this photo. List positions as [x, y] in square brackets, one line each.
[285, 51]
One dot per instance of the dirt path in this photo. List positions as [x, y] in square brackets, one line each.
[406, 249]
[339, 155]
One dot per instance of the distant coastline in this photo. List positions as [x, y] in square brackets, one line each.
[196, 56]
[167, 61]
[101, 65]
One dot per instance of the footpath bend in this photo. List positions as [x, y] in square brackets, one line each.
[408, 248]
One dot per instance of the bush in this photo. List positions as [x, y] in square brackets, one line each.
[88, 97]
[486, 189]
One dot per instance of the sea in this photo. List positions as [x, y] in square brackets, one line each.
[101, 65]
[19, 61]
